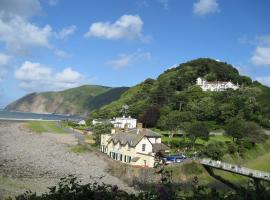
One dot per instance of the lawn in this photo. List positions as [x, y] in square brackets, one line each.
[81, 148]
[213, 138]
[44, 126]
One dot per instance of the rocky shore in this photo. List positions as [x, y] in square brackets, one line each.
[31, 161]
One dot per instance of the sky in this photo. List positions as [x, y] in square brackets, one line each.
[52, 45]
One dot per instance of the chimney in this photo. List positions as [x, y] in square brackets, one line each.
[139, 127]
[126, 127]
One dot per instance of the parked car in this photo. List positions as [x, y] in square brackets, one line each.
[178, 158]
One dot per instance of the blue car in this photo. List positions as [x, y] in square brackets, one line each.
[174, 158]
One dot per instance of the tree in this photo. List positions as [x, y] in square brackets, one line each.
[207, 109]
[197, 130]
[254, 132]
[150, 116]
[124, 110]
[236, 129]
[215, 150]
[100, 129]
[227, 112]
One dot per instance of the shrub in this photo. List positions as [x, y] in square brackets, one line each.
[215, 150]
[232, 148]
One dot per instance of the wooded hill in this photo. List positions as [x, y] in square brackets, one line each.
[80, 100]
[174, 100]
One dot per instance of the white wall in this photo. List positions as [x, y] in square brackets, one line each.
[148, 146]
[155, 140]
[132, 123]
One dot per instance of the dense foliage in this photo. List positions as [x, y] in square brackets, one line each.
[100, 129]
[71, 189]
[173, 100]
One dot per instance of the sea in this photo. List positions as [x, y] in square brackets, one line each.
[14, 115]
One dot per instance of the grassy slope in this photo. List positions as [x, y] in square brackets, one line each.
[78, 100]
[76, 96]
[44, 126]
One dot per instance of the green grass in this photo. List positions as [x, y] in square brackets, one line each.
[36, 126]
[81, 148]
[213, 138]
[44, 126]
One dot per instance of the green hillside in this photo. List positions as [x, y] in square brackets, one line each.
[173, 99]
[80, 100]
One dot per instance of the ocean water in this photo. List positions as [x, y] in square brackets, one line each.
[12, 115]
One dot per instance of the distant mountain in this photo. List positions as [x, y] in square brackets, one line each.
[80, 100]
[174, 97]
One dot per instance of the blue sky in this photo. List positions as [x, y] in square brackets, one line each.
[56, 44]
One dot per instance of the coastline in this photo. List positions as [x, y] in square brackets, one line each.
[6, 115]
[35, 162]
[24, 120]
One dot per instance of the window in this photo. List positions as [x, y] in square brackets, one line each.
[129, 159]
[121, 157]
[125, 158]
[143, 147]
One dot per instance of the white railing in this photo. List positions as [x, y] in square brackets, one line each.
[236, 169]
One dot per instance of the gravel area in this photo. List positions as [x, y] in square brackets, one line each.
[31, 161]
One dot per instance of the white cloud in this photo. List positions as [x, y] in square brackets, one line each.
[261, 53]
[23, 8]
[126, 60]
[261, 56]
[264, 80]
[127, 27]
[18, 34]
[4, 64]
[38, 77]
[4, 59]
[203, 7]
[67, 31]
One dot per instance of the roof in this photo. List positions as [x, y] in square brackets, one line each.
[126, 138]
[160, 147]
[132, 137]
[149, 133]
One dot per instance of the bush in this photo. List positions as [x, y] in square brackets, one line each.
[232, 148]
[215, 150]
[247, 143]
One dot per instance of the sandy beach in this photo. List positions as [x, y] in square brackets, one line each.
[31, 161]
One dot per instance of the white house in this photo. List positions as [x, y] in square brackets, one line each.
[216, 85]
[135, 147]
[118, 122]
[82, 122]
[122, 122]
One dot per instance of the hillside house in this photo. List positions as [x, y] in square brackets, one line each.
[122, 122]
[118, 122]
[217, 86]
[136, 147]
